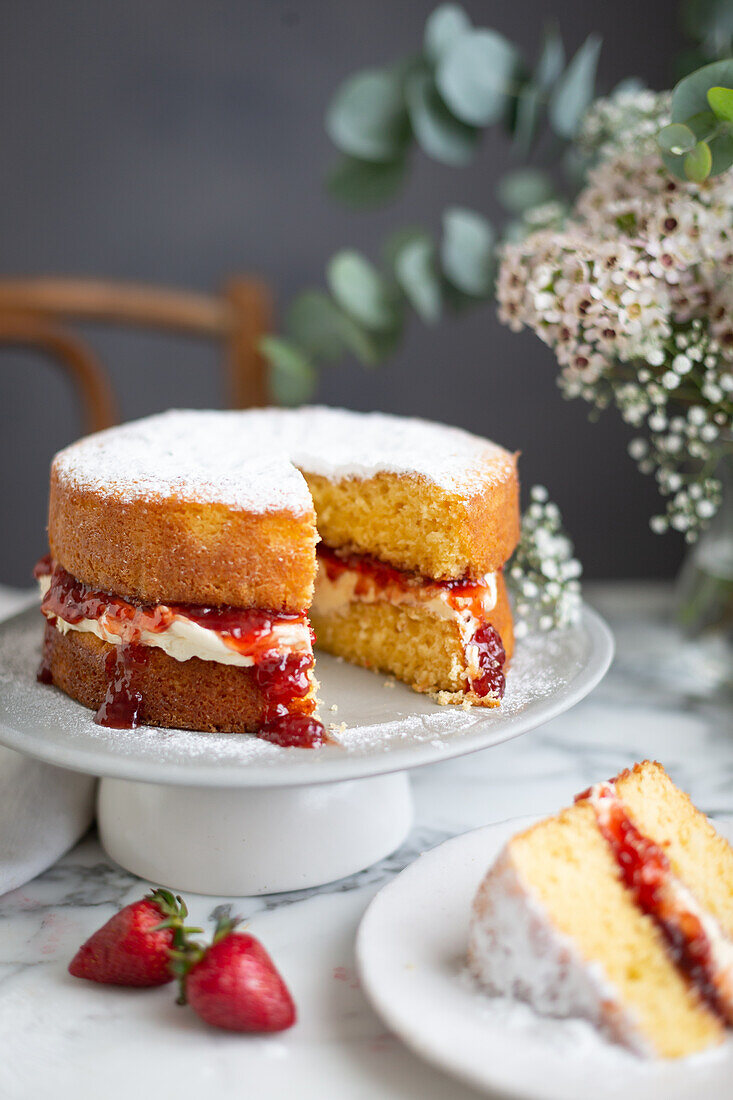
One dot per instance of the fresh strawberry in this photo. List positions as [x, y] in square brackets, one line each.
[233, 983]
[134, 946]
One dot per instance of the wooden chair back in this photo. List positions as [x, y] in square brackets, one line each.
[37, 313]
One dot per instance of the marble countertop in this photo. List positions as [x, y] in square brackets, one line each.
[66, 1038]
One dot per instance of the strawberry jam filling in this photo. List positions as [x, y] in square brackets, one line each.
[485, 656]
[645, 870]
[281, 674]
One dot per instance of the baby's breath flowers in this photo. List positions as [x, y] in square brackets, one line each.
[543, 574]
[635, 296]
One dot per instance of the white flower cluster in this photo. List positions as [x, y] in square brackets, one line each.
[635, 296]
[628, 118]
[543, 574]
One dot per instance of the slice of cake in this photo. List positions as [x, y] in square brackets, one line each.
[183, 562]
[416, 521]
[619, 909]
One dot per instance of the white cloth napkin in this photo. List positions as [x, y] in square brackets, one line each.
[43, 810]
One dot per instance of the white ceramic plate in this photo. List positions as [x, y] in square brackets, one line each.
[387, 727]
[411, 951]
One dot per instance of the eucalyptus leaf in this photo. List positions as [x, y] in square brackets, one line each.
[467, 251]
[440, 134]
[675, 163]
[385, 342]
[524, 188]
[721, 101]
[365, 182]
[676, 138]
[477, 75]
[293, 378]
[690, 105]
[457, 301]
[401, 238]
[573, 92]
[417, 275]
[362, 291]
[551, 59]
[527, 117]
[690, 95]
[721, 149]
[321, 329]
[699, 162]
[442, 28]
[703, 125]
[367, 116]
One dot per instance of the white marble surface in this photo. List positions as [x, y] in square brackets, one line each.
[69, 1039]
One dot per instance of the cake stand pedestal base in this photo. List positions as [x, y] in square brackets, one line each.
[240, 842]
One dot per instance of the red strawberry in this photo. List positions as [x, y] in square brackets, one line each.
[234, 984]
[133, 947]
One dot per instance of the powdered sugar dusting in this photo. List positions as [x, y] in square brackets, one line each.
[207, 457]
[516, 951]
[251, 459]
[337, 444]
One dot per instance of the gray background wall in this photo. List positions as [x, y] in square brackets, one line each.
[182, 140]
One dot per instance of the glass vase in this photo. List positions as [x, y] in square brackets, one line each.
[705, 594]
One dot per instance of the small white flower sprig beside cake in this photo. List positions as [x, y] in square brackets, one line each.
[619, 909]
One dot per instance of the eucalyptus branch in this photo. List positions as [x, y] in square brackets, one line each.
[464, 80]
[698, 142]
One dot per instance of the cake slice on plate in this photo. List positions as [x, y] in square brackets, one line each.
[619, 909]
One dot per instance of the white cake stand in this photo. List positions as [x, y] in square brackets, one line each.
[230, 814]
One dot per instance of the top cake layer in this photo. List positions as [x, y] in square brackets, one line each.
[212, 507]
[248, 459]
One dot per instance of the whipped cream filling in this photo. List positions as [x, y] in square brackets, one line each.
[333, 595]
[183, 638]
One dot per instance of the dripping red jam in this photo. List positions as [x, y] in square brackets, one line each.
[464, 595]
[645, 870]
[283, 676]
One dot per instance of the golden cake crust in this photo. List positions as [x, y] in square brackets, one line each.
[191, 695]
[213, 507]
[418, 526]
[181, 551]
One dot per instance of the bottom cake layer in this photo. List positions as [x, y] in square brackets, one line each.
[195, 695]
[411, 643]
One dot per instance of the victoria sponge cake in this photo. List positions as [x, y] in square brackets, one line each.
[190, 552]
